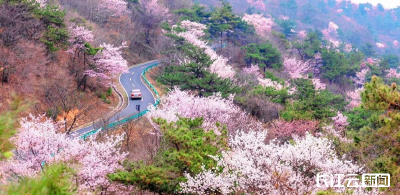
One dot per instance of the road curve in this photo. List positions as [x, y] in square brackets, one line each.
[129, 81]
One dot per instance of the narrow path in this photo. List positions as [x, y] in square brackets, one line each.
[129, 81]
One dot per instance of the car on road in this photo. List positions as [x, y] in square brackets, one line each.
[136, 94]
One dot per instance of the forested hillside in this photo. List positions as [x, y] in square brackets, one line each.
[257, 97]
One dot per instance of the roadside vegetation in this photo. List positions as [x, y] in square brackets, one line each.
[256, 97]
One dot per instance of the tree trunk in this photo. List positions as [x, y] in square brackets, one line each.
[65, 123]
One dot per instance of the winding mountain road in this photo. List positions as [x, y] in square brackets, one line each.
[129, 81]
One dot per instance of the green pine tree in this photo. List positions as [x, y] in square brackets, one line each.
[194, 75]
[185, 148]
[265, 55]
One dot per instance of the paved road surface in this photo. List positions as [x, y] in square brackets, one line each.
[130, 81]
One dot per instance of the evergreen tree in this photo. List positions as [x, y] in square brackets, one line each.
[309, 47]
[195, 14]
[54, 179]
[368, 50]
[312, 104]
[223, 20]
[287, 27]
[186, 148]
[378, 145]
[392, 60]
[8, 125]
[265, 55]
[195, 75]
[336, 66]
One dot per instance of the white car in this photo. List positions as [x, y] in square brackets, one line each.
[136, 94]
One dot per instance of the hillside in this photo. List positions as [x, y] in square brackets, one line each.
[256, 97]
[358, 24]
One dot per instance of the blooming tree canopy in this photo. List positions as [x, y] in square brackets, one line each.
[340, 120]
[109, 62]
[380, 45]
[265, 82]
[318, 84]
[192, 35]
[118, 7]
[284, 129]
[262, 25]
[213, 109]
[392, 73]
[396, 43]
[282, 17]
[152, 7]
[79, 35]
[332, 29]
[360, 77]
[302, 34]
[251, 166]
[37, 143]
[355, 97]
[257, 3]
[296, 68]
[253, 70]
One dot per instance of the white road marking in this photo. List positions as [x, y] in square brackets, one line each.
[133, 72]
[130, 79]
[133, 85]
[142, 99]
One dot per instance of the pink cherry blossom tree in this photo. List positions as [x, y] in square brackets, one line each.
[360, 78]
[193, 34]
[152, 7]
[79, 35]
[338, 128]
[285, 129]
[392, 73]
[332, 131]
[37, 143]
[259, 4]
[396, 43]
[380, 45]
[213, 109]
[295, 68]
[354, 97]
[282, 17]
[251, 166]
[318, 84]
[262, 25]
[348, 47]
[332, 29]
[302, 34]
[109, 62]
[335, 44]
[340, 121]
[117, 7]
[252, 70]
[372, 61]
[266, 82]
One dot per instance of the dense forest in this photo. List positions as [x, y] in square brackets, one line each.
[256, 97]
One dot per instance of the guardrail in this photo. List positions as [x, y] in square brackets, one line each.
[125, 120]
